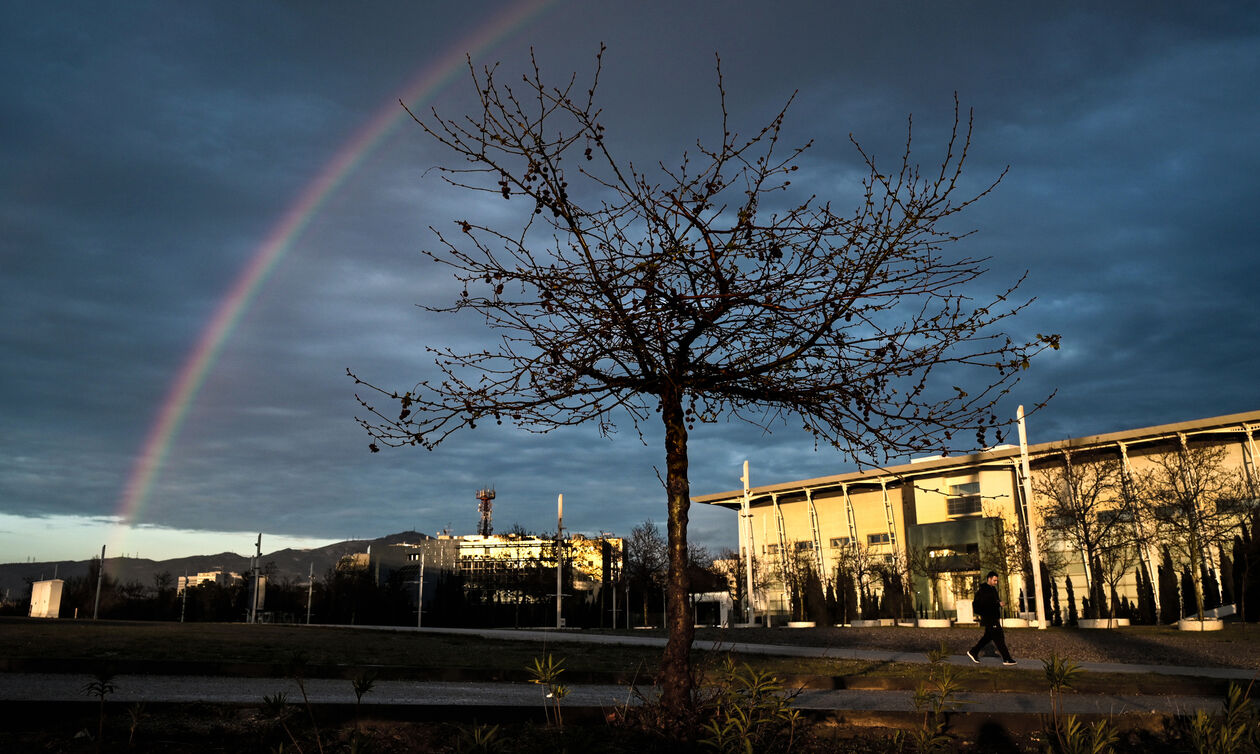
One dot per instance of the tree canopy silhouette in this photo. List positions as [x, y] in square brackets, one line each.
[700, 290]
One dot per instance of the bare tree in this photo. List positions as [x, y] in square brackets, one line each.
[1005, 549]
[1196, 500]
[646, 560]
[925, 563]
[685, 293]
[921, 563]
[1083, 498]
[1117, 556]
[798, 573]
[735, 567]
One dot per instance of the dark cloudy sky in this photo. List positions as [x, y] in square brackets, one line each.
[149, 150]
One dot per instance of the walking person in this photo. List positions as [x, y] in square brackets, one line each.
[988, 609]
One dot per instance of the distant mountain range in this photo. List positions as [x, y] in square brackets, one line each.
[288, 564]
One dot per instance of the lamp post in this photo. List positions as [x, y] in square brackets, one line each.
[100, 576]
[745, 517]
[253, 603]
[420, 591]
[559, 558]
[1033, 549]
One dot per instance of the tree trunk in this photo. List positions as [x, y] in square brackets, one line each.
[676, 681]
[1196, 571]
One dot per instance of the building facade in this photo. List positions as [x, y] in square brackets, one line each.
[222, 578]
[505, 569]
[1105, 510]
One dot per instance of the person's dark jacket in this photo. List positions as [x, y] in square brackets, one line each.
[987, 605]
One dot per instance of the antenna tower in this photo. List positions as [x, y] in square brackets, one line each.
[484, 508]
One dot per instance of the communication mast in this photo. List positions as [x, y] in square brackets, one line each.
[485, 507]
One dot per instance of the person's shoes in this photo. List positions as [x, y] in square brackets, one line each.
[973, 657]
[1008, 662]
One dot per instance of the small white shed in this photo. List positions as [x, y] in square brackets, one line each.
[46, 598]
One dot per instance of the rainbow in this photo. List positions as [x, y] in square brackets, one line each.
[192, 374]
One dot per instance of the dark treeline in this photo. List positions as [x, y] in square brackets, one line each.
[348, 596]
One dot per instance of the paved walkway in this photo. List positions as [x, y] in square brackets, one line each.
[48, 687]
[187, 688]
[838, 653]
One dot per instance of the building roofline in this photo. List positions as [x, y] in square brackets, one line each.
[1003, 455]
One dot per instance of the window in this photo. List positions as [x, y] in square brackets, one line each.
[804, 546]
[1115, 515]
[1231, 505]
[877, 539]
[964, 499]
[840, 542]
[772, 549]
[1059, 522]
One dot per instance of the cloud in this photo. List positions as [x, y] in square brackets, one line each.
[149, 154]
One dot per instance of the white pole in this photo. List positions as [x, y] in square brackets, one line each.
[183, 605]
[559, 558]
[1033, 548]
[746, 519]
[420, 589]
[100, 576]
[310, 592]
[253, 606]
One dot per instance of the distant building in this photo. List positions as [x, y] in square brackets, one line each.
[499, 564]
[46, 598]
[499, 567]
[222, 578]
[354, 561]
[962, 513]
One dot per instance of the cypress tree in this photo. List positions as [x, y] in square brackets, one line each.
[1227, 579]
[1140, 605]
[1098, 593]
[1071, 600]
[815, 599]
[1240, 575]
[1146, 597]
[1211, 589]
[851, 599]
[1248, 560]
[1048, 594]
[1189, 605]
[1169, 598]
[844, 604]
[869, 604]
